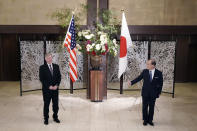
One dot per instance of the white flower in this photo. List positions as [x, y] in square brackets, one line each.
[79, 34]
[115, 52]
[103, 39]
[78, 47]
[88, 37]
[114, 41]
[92, 35]
[99, 33]
[89, 47]
[102, 43]
[98, 47]
[103, 48]
[85, 32]
[93, 44]
[116, 45]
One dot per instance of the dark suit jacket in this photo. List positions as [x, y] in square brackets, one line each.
[47, 79]
[153, 88]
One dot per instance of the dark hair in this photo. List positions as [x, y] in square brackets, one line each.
[153, 62]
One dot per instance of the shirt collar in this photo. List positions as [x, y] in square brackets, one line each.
[49, 64]
[153, 70]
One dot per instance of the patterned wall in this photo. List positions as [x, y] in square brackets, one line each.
[61, 57]
[32, 56]
[164, 54]
[137, 57]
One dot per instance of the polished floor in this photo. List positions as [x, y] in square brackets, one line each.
[117, 113]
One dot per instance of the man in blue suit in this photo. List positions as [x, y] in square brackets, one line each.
[151, 89]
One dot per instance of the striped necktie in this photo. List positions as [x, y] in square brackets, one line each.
[51, 70]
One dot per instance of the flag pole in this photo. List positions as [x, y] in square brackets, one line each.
[71, 82]
[121, 77]
[121, 84]
[71, 86]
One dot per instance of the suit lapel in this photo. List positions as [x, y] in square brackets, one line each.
[148, 75]
[53, 68]
[155, 74]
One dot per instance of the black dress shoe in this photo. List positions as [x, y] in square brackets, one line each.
[56, 120]
[145, 123]
[46, 122]
[151, 123]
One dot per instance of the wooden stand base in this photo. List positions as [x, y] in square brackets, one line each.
[96, 85]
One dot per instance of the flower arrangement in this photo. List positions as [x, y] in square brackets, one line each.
[100, 39]
[96, 43]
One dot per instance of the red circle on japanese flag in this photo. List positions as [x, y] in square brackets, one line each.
[123, 46]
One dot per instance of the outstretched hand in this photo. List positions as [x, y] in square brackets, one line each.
[129, 83]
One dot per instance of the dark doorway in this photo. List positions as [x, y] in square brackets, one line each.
[9, 58]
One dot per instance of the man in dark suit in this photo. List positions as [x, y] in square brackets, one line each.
[50, 78]
[151, 89]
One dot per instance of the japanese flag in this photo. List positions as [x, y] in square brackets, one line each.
[125, 43]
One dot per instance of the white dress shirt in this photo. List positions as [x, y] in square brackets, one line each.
[51, 66]
[153, 72]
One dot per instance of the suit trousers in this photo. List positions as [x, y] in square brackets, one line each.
[148, 105]
[47, 97]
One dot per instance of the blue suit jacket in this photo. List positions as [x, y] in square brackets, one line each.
[150, 88]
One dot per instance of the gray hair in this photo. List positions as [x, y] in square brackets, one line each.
[47, 55]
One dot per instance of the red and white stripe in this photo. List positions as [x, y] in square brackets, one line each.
[67, 41]
[73, 58]
[73, 65]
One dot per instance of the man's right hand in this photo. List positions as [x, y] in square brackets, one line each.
[54, 87]
[51, 87]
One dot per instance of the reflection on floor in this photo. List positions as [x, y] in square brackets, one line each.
[117, 113]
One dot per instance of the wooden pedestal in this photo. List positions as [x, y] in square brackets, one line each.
[96, 85]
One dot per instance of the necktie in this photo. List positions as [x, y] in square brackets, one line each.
[51, 70]
[150, 74]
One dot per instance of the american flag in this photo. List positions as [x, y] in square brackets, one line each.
[70, 43]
